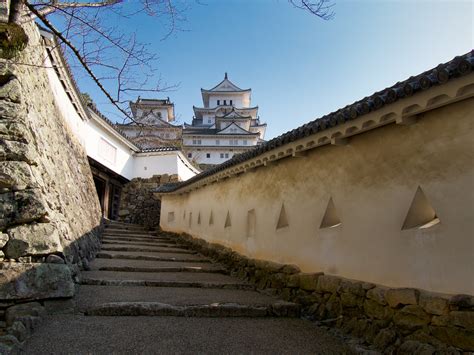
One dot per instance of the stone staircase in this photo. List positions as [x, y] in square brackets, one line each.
[143, 273]
[146, 278]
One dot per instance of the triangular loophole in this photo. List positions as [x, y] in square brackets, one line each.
[211, 219]
[330, 218]
[228, 223]
[199, 218]
[420, 214]
[282, 219]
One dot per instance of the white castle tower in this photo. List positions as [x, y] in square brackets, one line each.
[227, 124]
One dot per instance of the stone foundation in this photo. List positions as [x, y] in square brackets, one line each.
[50, 217]
[138, 205]
[404, 320]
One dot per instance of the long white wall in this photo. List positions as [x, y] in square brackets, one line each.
[110, 151]
[343, 208]
[104, 144]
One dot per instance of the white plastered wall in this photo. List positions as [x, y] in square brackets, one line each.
[372, 181]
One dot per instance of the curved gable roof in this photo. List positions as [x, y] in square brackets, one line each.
[225, 86]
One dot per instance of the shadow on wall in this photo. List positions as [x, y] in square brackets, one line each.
[38, 283]
[44, 274]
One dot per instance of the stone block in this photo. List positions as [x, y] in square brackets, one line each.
[18, 330]
[16, 175]
[305, 281]
[278, 280]
[3, 239]
[268, 266]
[385, 338]
[440, 321]
[377, 294]
[11, 90]
[458, 337]
[375, 310]
[462, 301]
[434, 304]
[415, 347]
[463, 319]
[401, 296]
[352, 286]
[9, 340]
[31, 309]
[290, 269]
[328, 283]
[35, 281]
[411, 317]
[333, 306]
[14, 150]
[351, 300]
[54, 259]
[29, 206]
[123, 213]
[33, 239]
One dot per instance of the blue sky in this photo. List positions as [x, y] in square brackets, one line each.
[298, 66]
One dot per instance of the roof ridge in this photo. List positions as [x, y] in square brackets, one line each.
[441, 74]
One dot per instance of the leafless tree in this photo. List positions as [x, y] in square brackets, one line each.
[111, 55]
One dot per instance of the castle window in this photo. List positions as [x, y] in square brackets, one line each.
[225, 102]
[222, 155]
[230, 102]
[208, 155]
[218, 102]
[209, 121]
[226, 155]
[190, 155]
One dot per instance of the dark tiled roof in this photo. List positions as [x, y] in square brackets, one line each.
[159, 149]
[459, 66]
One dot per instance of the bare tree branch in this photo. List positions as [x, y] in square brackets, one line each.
[320, 8]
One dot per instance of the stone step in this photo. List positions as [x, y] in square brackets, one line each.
[118, 229]
[151, 283]
[162, 269]
[129, 234]
[91, 296]
[139, 243]
[161, 276]
[122, 224]
[146, 249]
[75, 334]
[98, 263]
[140, 256]
[139, 239]
[154, 309]
[166, 279]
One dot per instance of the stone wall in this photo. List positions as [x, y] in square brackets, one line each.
[49, 212]
[397, 320]
[138, 205]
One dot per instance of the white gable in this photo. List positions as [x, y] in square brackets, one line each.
[233, 129]
[226, 85]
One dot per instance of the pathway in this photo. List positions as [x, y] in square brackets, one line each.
[147, 294]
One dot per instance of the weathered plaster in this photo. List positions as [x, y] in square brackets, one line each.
[372, 180]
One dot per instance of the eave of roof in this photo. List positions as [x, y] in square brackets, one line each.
[441, 74]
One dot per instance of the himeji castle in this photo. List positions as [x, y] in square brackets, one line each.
[152, 126]
[226, 125]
